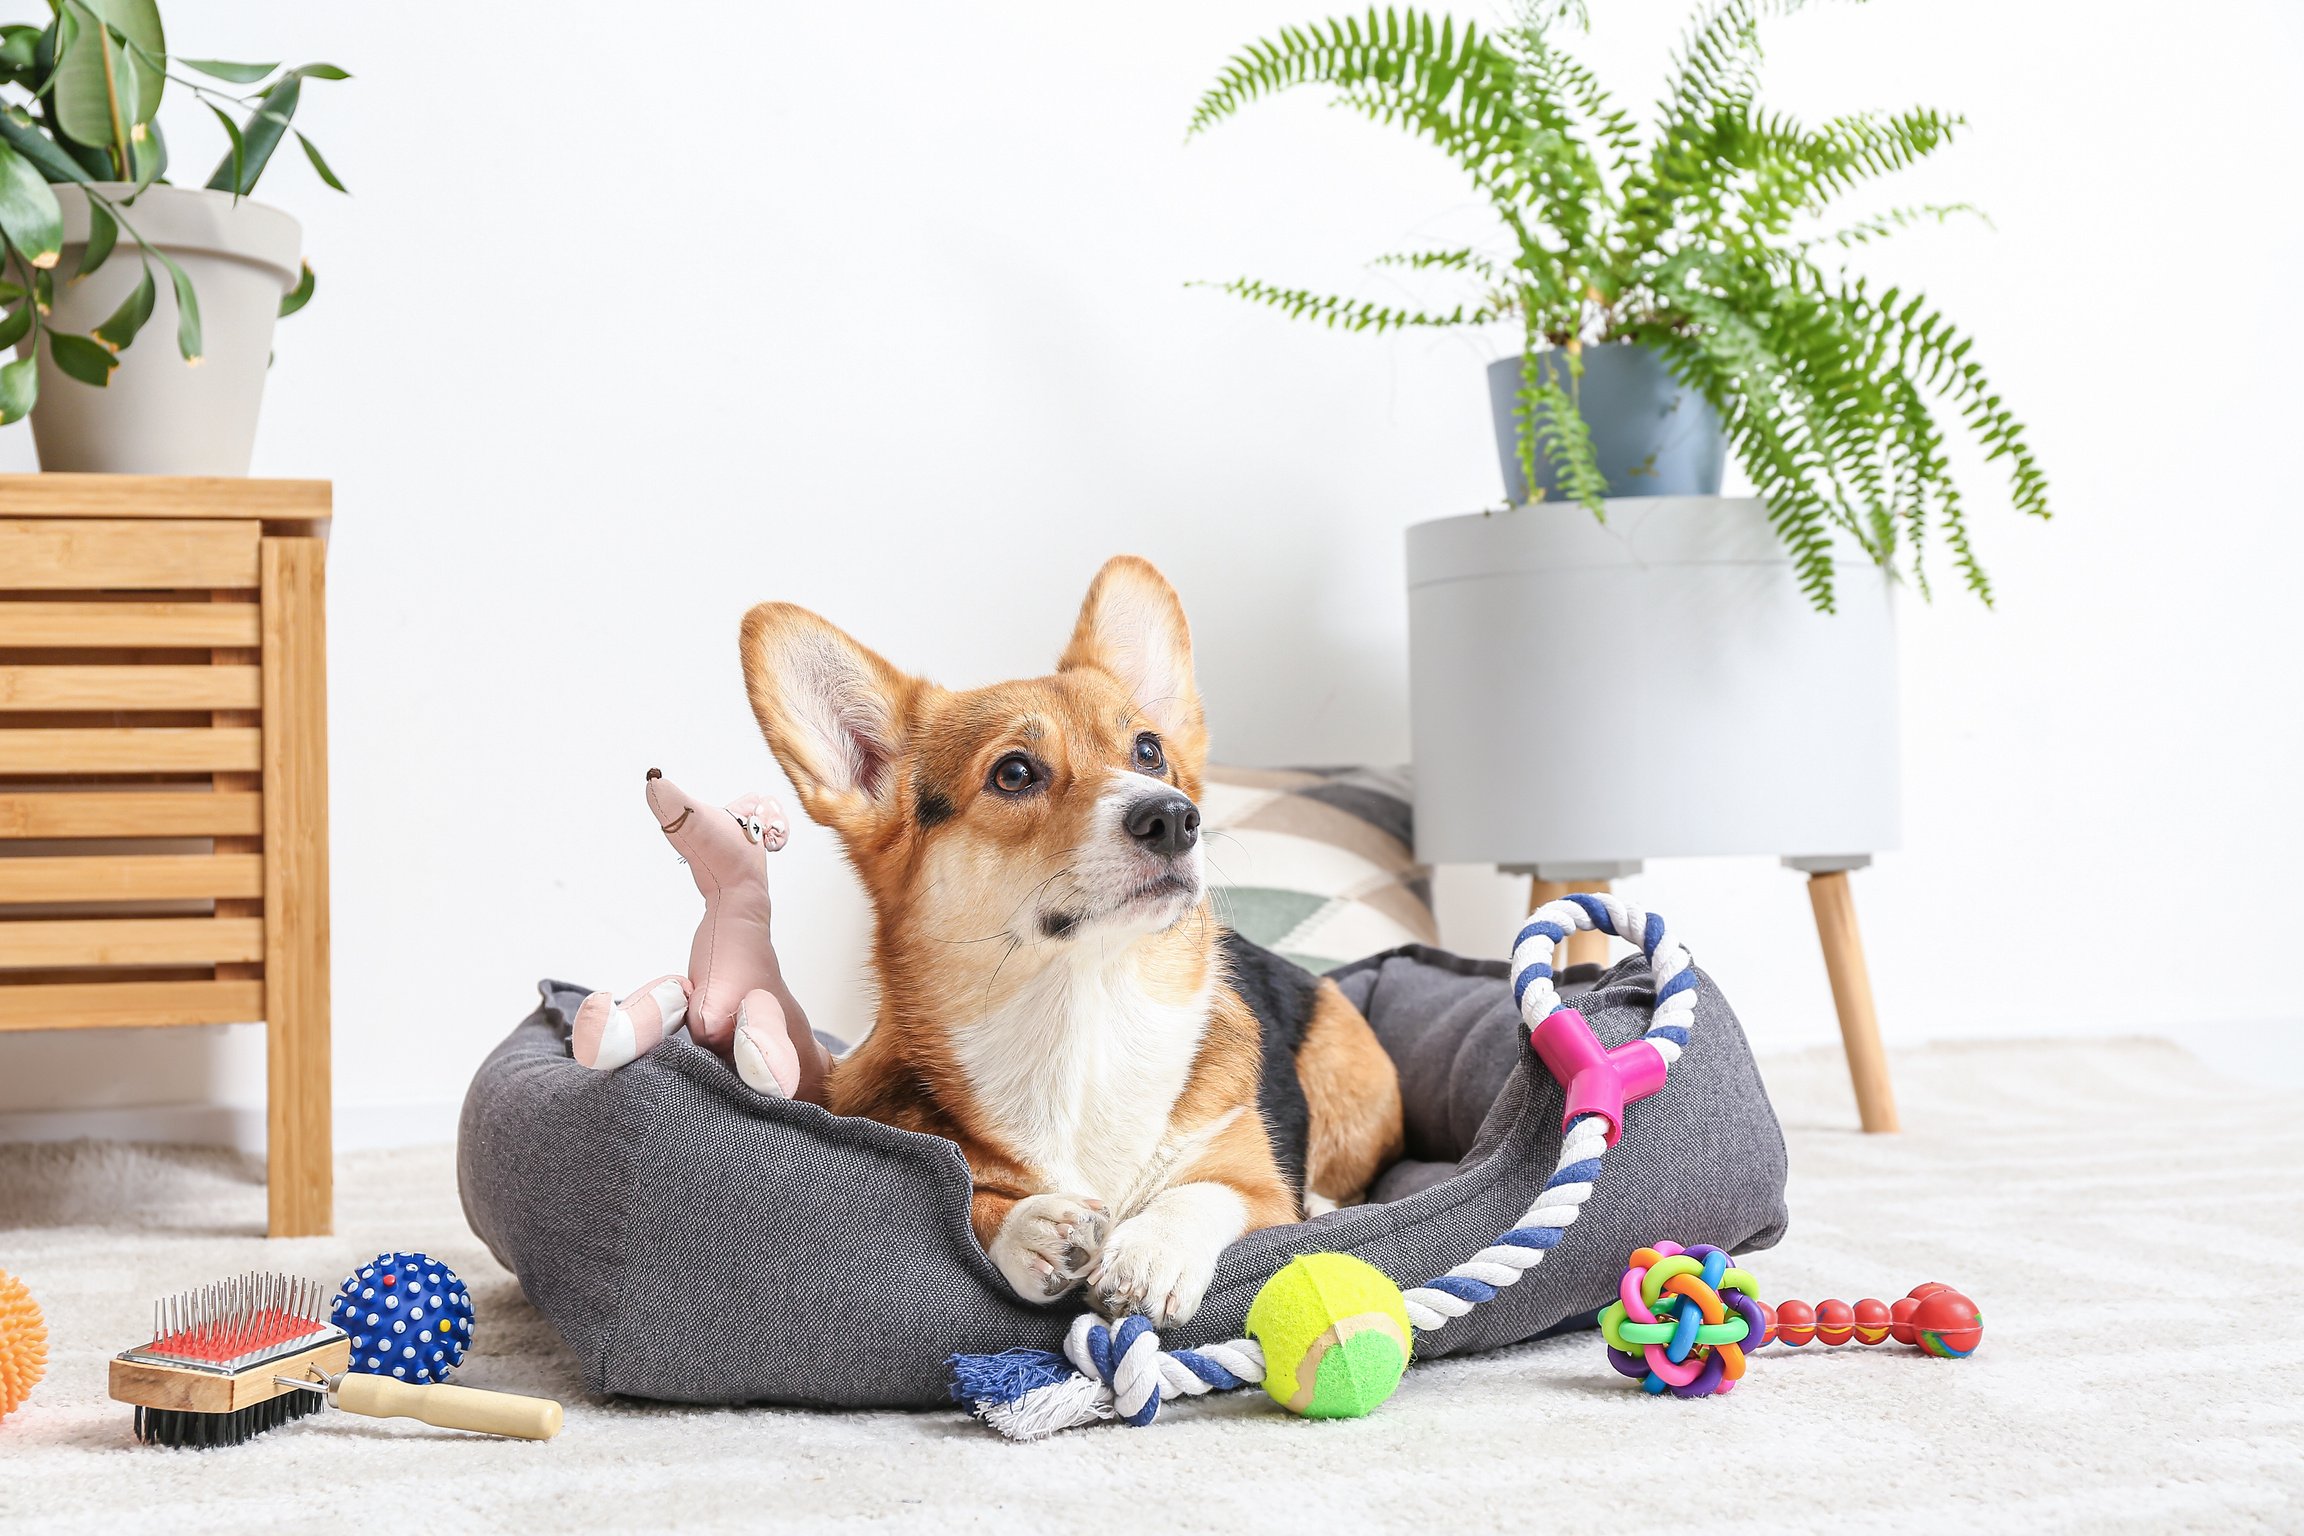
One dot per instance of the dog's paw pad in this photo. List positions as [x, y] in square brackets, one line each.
[1048, 1243]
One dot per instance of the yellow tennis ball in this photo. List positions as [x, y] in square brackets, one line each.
[1335, 1336]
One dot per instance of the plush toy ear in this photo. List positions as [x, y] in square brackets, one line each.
[833, 712]
[1132, 627]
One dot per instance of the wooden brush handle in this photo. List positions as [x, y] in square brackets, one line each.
[491, 1413]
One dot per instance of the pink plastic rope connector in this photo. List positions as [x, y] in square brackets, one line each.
[1598, 1082]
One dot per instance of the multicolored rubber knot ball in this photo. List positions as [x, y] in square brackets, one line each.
[408, 1314]
[1681, 1320]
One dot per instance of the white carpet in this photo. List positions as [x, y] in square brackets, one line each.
[2130, 1223]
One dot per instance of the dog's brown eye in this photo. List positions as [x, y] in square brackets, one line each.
[1149, 758]
[1014, 774]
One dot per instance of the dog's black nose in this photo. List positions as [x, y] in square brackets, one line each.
[1164, 824]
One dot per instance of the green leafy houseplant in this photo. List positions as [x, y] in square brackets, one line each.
[79, 98]
[1696, 239]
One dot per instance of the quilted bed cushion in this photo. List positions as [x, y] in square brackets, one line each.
[695, 1242]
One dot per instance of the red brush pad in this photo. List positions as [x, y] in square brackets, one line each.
[254, 1332]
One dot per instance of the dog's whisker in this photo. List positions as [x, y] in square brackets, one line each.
[1032, 894]
[1014, 944]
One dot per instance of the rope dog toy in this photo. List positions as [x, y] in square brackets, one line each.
[1119, 1370]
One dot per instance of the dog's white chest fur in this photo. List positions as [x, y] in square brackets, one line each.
[1081, 1070]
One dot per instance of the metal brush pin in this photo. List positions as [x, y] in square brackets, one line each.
[246, 1354]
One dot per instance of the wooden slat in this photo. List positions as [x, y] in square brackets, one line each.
[124, 813]
[110, 1004]
[240, 656]
[297, 999]
[57, 626]
[57, 975]
[131, 940]
[132, 877]
[68, 555]
[162, 687]
[62, 495]
[126, 749]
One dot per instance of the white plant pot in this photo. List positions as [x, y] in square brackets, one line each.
[1654, 686]
[159, 415]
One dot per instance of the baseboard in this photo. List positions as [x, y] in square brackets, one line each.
[359, 1127]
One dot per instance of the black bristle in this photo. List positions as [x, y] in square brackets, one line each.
[178, 1426]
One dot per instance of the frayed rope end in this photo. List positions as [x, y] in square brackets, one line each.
[1045, 1411]
[987, 1381]
[1026, 1394]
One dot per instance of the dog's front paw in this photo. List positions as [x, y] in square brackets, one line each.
[1049, 1243]
[1155, 1265]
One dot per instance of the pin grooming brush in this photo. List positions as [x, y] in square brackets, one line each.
[233, 1359]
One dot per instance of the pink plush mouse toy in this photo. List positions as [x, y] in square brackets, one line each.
[733, 999]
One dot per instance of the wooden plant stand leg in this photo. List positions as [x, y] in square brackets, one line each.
[1835, 906]
[1583, 947]
[1540, 892]
[1589, 947]
[296, 979]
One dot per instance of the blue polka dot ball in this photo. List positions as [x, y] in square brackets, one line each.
[408, 1314]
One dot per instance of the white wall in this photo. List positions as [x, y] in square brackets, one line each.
[883, 311]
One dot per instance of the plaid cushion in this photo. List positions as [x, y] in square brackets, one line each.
[1316, 863]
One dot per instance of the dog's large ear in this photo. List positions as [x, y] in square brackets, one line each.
[1132, 627]
[833, 712]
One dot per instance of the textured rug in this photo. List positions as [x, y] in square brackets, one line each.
[2110, 1206]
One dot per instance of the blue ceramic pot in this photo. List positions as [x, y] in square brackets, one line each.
[1654, 435]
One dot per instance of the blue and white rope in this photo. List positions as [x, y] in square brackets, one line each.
[1110, 1371]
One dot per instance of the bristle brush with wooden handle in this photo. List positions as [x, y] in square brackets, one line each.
[245, 1355]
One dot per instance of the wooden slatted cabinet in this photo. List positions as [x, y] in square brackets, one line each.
[164, 777]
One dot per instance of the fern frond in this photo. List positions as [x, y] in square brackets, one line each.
[1552, 165]
[1718, 58]
[1937, 355]
[1461, 259]
[1895, 221]
[1505, 295]
[1849, 150]
[1612, 126]
[1714, 70]
[1553, 426]
[1338, 313]
[1730, 360]
[1404, 51]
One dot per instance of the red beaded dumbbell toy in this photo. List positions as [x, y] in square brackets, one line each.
[1936, 1317]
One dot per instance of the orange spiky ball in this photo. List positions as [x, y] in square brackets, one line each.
[23, 1344]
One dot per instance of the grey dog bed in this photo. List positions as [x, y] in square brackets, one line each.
[695, 1242]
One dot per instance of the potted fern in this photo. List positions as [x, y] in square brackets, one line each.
[1675, 295]
[101, 247]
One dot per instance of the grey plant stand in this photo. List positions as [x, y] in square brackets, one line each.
[1835, 907]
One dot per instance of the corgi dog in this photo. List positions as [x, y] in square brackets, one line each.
[1132, 1086]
